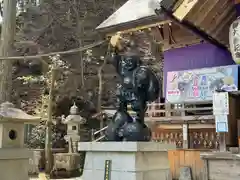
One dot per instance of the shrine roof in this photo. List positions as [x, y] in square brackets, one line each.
[10, 113]
[132, 14]
[209, 19]
[212, 17]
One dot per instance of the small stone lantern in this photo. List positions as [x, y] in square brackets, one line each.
[70, 161]
[73, 121]
[14, 158]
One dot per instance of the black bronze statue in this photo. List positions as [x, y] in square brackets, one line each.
[139, 85]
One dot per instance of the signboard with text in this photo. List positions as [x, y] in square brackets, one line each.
[221, 122]
[200, 84]
[221, 111]
[220, 103]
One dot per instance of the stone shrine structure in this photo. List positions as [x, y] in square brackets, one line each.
[14, 158]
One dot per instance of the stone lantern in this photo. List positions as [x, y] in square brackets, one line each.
[73, 121]
[70, 161]
[14, 158]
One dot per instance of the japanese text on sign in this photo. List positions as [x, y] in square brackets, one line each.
[220, 103]
[221, 111]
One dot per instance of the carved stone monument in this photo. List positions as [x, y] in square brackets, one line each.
[14, 158]
[70, 161]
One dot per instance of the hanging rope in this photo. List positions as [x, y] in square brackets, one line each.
[54, 53]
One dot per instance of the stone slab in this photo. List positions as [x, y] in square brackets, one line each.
[14, 163]
[220, 156]
[125, 146]
[15, 153]
[14, 169]
[129, 160]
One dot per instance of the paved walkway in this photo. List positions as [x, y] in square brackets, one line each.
[58, 179]
[36, 178]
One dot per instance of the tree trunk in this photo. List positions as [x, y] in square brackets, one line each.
[48, 141]
[7, 39]
[100, 89]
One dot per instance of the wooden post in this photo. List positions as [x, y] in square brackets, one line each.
[168, 109]
[222, 143]
[185, 136]
[238, 133]
[221, 111]
[205, 169]
[185, 129]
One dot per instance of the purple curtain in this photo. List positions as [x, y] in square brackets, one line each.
[195, 57]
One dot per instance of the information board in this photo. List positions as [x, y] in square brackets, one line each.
[220, 103]
[221, 122]
[221, 110]
[200, 84]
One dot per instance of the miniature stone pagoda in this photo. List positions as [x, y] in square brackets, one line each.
[14, 158]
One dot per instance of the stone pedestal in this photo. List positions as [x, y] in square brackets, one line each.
[14, 164]
[221, 165]
[129, 160]
[68, 161]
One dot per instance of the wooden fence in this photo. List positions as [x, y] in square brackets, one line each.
[168, 112]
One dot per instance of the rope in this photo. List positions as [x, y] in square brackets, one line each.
[54, 53]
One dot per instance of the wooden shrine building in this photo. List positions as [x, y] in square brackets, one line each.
[194, 34]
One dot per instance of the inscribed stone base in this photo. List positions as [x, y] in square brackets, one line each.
[129, 160]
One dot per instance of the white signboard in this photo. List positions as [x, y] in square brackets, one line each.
[220, 103]
[221, 122]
